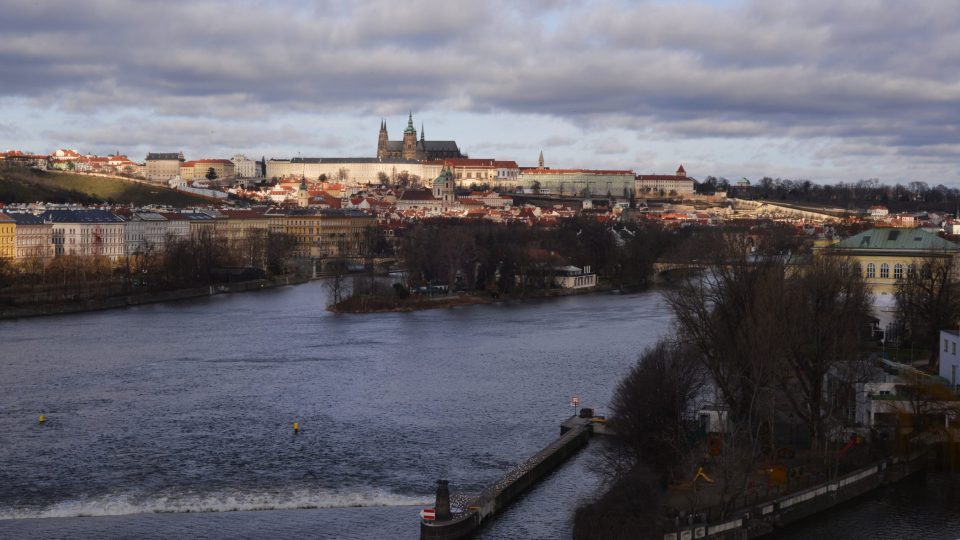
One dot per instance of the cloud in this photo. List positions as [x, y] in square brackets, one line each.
[843, 77]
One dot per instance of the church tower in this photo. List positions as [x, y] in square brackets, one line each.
[382, 141]
[540, 161]
[410, 139]
[444, 187]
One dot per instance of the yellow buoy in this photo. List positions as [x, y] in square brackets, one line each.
[43, 418]
[296, 427]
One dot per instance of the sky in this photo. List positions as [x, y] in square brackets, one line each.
[826, 90]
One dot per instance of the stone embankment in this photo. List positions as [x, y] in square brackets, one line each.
[135, 299]
[768, 516]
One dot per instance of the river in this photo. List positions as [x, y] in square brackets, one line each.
[175, 420]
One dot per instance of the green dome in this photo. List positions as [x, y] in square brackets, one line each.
[445, 175]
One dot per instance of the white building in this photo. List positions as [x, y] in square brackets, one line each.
[87, 233]
[881, 392]
[244, 167]
[572, 277]
[352, 171]
[660, 185]
[949, 359]
[145, 231]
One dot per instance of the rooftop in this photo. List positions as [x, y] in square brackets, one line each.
[897, 239]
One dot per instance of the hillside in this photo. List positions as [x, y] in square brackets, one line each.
[27, 186]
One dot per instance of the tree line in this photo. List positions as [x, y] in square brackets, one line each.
[198, 260]
[513, 258]
[774, 345]
[916, 195]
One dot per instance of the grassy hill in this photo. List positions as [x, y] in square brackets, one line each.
[28, 185]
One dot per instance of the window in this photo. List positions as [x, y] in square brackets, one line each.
[945, 343]
[898, 271]
[857, 270]
[871, 270]
[884, 270]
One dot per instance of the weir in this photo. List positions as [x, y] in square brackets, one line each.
[471, 512]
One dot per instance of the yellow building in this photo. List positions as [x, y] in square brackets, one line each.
[34, 236]
[242, 225]
[198, 169]
[887, 255]
[323, 232]
[8, 236]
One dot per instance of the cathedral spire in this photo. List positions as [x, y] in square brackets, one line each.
[422, 136]
[410, 128]
[540, 161]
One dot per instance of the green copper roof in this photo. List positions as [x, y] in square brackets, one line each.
[445, 175]
[410, 128]
[898, 239]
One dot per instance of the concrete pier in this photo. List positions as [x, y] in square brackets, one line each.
[574, 434]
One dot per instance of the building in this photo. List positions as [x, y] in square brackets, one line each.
[34, 236]
[243, 225]
[8, 237]
[323, 232]
[949, 358]
[16, 158]
[578, 182]
[145, 232]
[244, 167]
[161, 167]
[412, 148]
[353, 171]
[444, 188]
[223, 169]
[469, 171]
[665, 185]
[573, 277]
[87, 233]
[885, 255]
[881, 392]
[178, 226]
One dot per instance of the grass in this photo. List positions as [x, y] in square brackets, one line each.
[28, 185]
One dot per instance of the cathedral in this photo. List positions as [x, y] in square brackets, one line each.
[412, 148]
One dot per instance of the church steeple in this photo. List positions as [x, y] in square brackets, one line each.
[410, 140]
[382, 140]
[540, 161]
[422, 137]
[410, 128]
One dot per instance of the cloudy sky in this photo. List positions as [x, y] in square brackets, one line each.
[826, 90]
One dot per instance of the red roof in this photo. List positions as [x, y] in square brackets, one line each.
[534, 170]
[417, 195]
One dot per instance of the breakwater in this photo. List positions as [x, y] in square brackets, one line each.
[469, 513]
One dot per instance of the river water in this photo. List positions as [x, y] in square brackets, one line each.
[175, 420]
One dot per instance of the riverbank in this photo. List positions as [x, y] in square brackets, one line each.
[152, 297]
[394, 304]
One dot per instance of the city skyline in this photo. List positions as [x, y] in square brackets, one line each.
[830, 91]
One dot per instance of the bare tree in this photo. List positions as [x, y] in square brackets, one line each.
[825, 326]
[928, 300]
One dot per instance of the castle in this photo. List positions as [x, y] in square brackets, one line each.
[411, 148]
